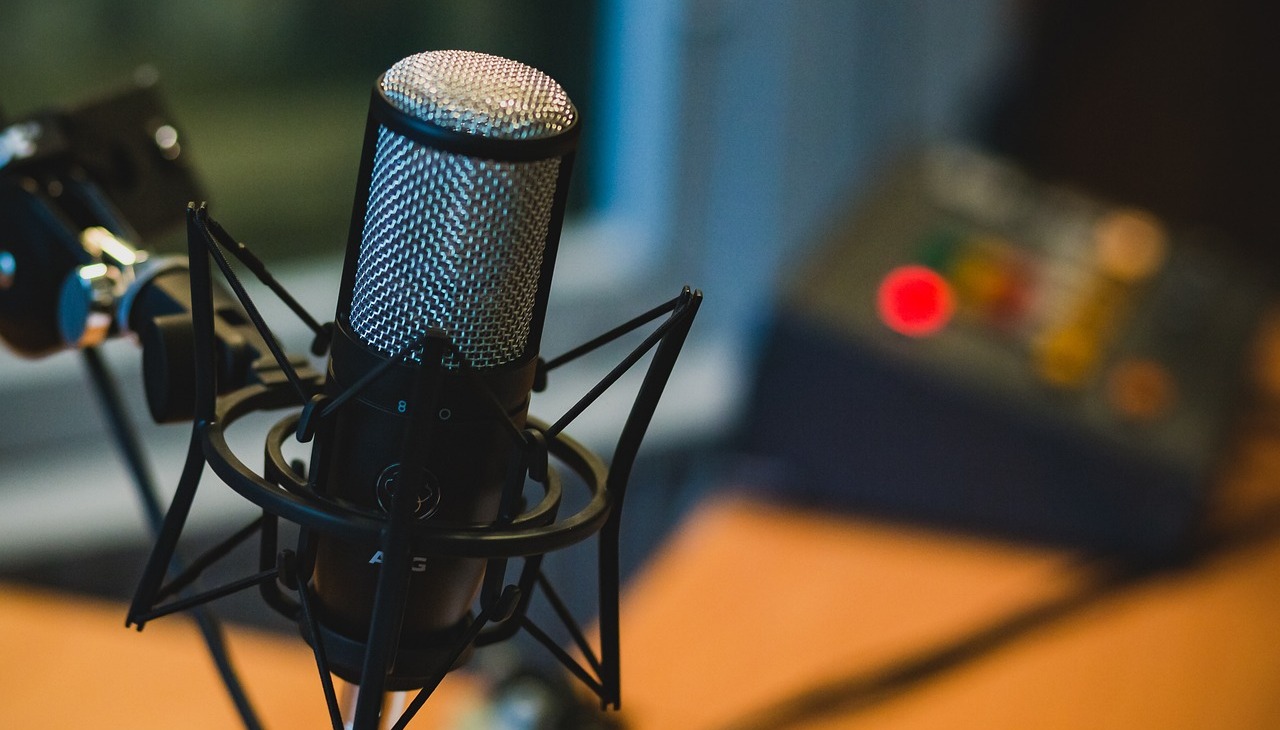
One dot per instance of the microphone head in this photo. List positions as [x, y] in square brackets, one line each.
[464, 197]
[475, 93]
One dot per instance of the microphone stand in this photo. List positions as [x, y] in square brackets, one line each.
[107, 191]
[124, 434]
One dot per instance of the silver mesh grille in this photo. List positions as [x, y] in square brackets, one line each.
[492, 97]
[452, 241]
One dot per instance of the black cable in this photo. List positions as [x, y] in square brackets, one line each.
[126, 440]
[863, 690]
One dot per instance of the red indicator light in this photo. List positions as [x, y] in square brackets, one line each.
[915, 301]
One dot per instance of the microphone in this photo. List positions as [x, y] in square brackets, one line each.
[422, 449]
[455, 227]
[80, 187]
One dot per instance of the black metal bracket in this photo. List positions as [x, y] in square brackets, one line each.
[284, 492]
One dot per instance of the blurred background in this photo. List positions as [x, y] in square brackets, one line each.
[719, 138]
[1078, 194]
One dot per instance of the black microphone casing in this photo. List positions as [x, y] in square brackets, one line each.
[466, 464]
[470, 449]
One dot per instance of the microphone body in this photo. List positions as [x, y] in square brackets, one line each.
[455, 227]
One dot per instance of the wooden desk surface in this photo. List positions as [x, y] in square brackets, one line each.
[751, 604]
[753, 610]
[69, 663]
